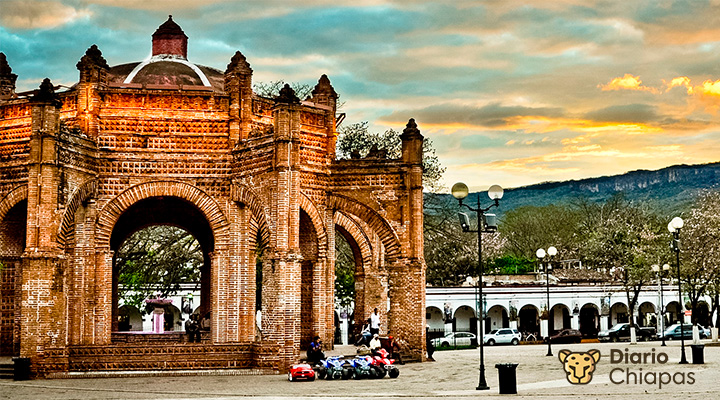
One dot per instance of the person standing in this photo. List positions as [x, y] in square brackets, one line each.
[429, 344]
[375, 322]
[192, 329]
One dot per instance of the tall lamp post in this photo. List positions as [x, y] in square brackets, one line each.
[674, 227]
[540, 253]
[660, 273]
[495, 192]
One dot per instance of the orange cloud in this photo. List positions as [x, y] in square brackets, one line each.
[627, 82]
[683, 81]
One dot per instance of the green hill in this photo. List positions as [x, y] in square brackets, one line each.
[671, 189]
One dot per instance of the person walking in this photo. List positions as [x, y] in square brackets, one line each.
[375, 322]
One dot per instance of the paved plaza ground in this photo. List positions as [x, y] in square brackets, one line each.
[453, 375]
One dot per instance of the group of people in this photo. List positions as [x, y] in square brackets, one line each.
[194, 325]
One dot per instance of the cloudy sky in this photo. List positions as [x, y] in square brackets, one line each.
[510, 92]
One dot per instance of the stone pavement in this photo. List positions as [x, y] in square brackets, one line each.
[453, 375]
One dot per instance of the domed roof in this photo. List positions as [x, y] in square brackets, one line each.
[167, 71]
[168, 64]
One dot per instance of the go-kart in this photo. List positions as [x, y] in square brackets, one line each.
[301, 371]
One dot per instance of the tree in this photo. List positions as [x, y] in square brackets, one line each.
[355, 141]
[156, 260]
[272, 89]
[529, 228]
[344, 272]
[623, 239]
[700, 251]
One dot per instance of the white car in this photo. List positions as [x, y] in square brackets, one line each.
[505, 335]
[455, 339]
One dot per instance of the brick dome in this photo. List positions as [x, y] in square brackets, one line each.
[168, 65]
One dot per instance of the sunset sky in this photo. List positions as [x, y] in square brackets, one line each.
[510, 92]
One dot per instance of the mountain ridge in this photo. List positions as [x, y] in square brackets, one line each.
[671, 190]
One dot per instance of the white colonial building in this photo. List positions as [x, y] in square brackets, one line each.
[586, 307]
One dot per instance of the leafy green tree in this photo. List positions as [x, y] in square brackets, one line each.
[700, 250]
[529, 228]
[623, 239]
[156, 260]
[344, 273]
[511, 265]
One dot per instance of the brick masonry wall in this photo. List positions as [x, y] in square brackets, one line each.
[252, 167]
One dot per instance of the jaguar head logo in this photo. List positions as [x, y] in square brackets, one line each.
[579, 366]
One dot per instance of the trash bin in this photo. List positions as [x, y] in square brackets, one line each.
[506, 375]
[22, 368]
[697, 353]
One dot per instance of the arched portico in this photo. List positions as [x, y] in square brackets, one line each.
[497, 317]
[619, 314]
[529, 316]
[589, 320]
[559, 318]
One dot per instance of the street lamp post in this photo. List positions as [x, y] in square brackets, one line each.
[495, 192]
[540, 253]
[660, 273]
[674, 227]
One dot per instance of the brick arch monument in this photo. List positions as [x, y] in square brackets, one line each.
[167, 141]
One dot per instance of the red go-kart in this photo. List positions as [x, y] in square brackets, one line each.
[301, 372]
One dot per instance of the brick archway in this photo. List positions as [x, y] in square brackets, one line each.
[11, 199]
[360, 243]
[377, 223]
[307, 205]
[81, 194]
[111, 212]
[354, 231]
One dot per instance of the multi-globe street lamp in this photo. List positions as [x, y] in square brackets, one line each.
[674, 227]
[660, 272]
[540, 253]
[485, 223]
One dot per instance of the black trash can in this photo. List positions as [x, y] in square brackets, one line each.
[697, 353]
[506, 375]
[22, 368]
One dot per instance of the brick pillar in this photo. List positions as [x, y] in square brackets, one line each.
[42, 280]
[325, 94]
[407, 275]
[82, 300]
[93, 78]
[406, 318]
[285, 213]
[238, 85]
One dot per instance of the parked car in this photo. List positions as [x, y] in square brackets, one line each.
[505, 335]
[673, 332]
[566, 336]
[621, 332]
[455, 339]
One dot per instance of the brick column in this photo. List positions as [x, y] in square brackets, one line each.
[238, 85]
[93, 78]
[285, 263]
[42, 280]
